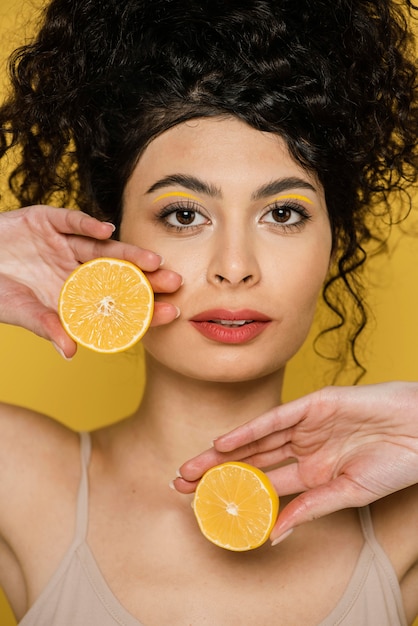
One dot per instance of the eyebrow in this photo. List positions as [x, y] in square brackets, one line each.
[189, 182]
[278, 186]
[200, 186]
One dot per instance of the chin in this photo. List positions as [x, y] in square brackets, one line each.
[233, 374]
[220, 365]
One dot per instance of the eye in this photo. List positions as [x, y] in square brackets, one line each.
[182, 216]
[185, 217]
[288, 216]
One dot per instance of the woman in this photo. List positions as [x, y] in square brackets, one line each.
[244, 146]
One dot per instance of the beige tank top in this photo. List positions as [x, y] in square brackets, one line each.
[77, 594]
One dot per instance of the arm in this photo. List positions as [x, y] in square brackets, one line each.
[350, 446]
[40, 246]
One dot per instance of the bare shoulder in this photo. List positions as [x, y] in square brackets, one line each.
[35, 454]
[40, 471]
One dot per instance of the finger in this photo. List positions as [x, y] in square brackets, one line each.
[83, 224]
[279, 418]
[269, 458]
[87, 248]
[164, 281]
[184, 486]
[73, 222]
[193, 469]
[44, 322]
[55, 333]
[266, 451]
[164, 313]
[339, 494]
[287, 480]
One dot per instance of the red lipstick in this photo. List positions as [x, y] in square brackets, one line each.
[226, 326]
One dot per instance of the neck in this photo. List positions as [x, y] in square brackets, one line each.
[180, 416]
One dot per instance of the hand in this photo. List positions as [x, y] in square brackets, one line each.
[349, 446]
[40, 246]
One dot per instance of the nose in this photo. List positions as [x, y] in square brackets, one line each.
[234, 260]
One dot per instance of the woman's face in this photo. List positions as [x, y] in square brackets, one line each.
[247, 227]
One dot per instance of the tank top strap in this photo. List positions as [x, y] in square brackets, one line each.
[367, 528]
[82, 512]
[370, 538]
[382, 559]
[367, 525]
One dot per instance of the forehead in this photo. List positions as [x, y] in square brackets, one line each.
[222, 150]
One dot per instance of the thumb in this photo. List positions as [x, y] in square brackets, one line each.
[48, 325]
[45, 323]
[340, 493]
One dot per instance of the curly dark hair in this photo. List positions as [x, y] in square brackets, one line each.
[336, 79]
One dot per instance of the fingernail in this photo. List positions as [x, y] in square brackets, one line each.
[171, 485]
[112, 225]
[161, 260]
[177, 312]
[178, 474]
[281, 537]
[60, 351]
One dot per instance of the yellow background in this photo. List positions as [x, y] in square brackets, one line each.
[93, 390]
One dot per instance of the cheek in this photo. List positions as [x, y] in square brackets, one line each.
[303, 285]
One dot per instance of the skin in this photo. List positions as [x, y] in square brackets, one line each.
[141, 533]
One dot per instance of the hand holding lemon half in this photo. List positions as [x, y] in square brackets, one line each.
[106, 305]
[236, 506]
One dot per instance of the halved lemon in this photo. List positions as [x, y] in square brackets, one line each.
[236, 506]
[106, 304]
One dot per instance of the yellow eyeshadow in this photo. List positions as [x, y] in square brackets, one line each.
[295, 196]
[170, 194]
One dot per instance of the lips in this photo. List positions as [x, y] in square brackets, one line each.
[226, 326]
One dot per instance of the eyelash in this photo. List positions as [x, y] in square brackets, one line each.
[290, 206]
[187, 205]
[192, 207]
